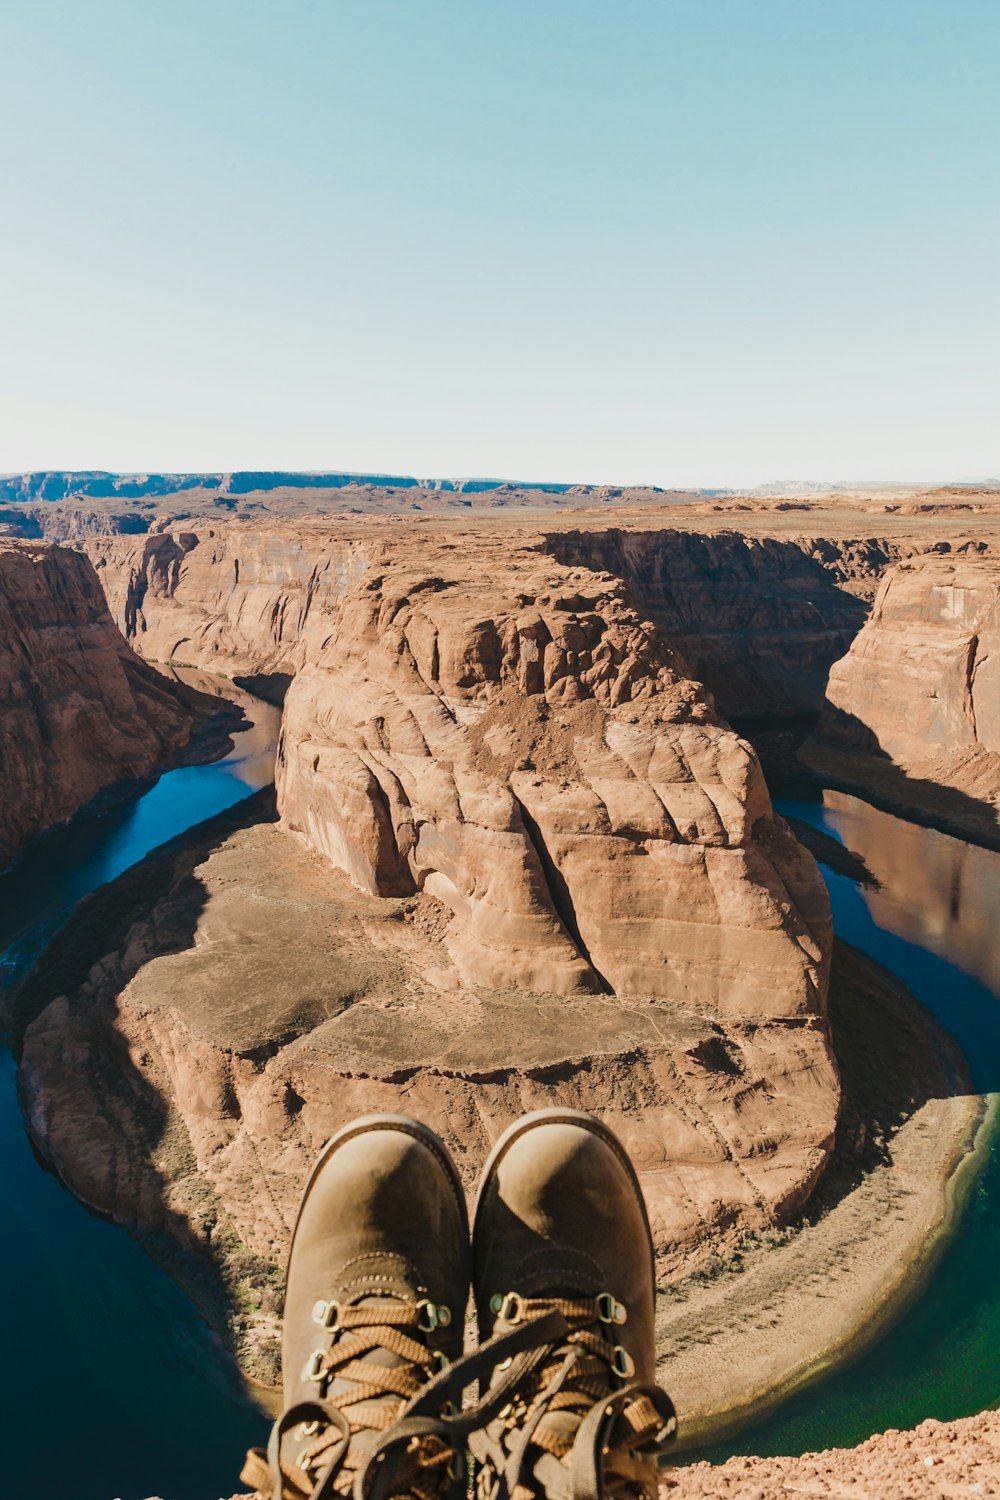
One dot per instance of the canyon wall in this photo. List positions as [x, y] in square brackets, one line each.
[920, 687]
[233, 598]
[760, 620]
[78, 710]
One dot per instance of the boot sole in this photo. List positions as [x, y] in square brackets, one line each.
[554, 1115]
[405, 1125]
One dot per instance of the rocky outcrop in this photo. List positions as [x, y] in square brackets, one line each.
[556, 876]
[253, 1001]
[759, 619]
[532, 755]
[78, 710]
[920, 688]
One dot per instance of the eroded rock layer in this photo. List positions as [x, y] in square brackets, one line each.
[530, 753]
[920, 686]
[78, 709]
[234, 598]
[759, 619]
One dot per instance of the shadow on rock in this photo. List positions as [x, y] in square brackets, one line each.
[94, 1111]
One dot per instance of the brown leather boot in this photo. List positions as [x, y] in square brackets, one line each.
[561, 1244]
[378, 1280]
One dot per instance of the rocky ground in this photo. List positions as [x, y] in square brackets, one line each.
[936, 1459]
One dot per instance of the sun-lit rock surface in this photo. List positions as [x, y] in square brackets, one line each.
[920, 686]
[528, 752]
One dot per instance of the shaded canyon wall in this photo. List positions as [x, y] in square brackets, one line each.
[78, 709]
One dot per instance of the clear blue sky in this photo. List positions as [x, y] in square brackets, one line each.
[674, 241]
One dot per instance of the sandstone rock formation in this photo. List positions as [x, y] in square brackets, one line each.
[258, 1000]
[759, 619]
[535, 757]
[563, 881]
[920, 686]
[78, 710]
[234, 598]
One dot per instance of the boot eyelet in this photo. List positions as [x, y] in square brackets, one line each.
[314, 1367]
[610, 1311]
[444, 1317]
[512, 1307]
[326, 1313]
[427, 1316]
[496, 1302]
[624, 1364]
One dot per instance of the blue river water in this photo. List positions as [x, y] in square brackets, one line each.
[112, 1384]
[934, 924]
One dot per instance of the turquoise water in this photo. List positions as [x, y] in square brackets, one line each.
[934, 925]
[112, 1384]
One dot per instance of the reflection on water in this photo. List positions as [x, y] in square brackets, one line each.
[154, 1405]
[252, 759]
[936, 890]
[932, 925]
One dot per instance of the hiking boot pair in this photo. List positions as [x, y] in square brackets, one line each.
[561, 1268]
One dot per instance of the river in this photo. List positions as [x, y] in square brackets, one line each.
[113, 1385]
[934, 924]
[120, 1389]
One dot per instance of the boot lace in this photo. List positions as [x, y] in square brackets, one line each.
[339, 1434]
[576, 1427]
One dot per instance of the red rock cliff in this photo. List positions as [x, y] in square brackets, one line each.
[921, 683]
[509, 737]
[78, 710]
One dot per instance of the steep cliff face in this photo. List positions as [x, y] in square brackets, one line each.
[78, 710]
[234, 598]
[760, 620]
[921, 683]
[535, 757]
